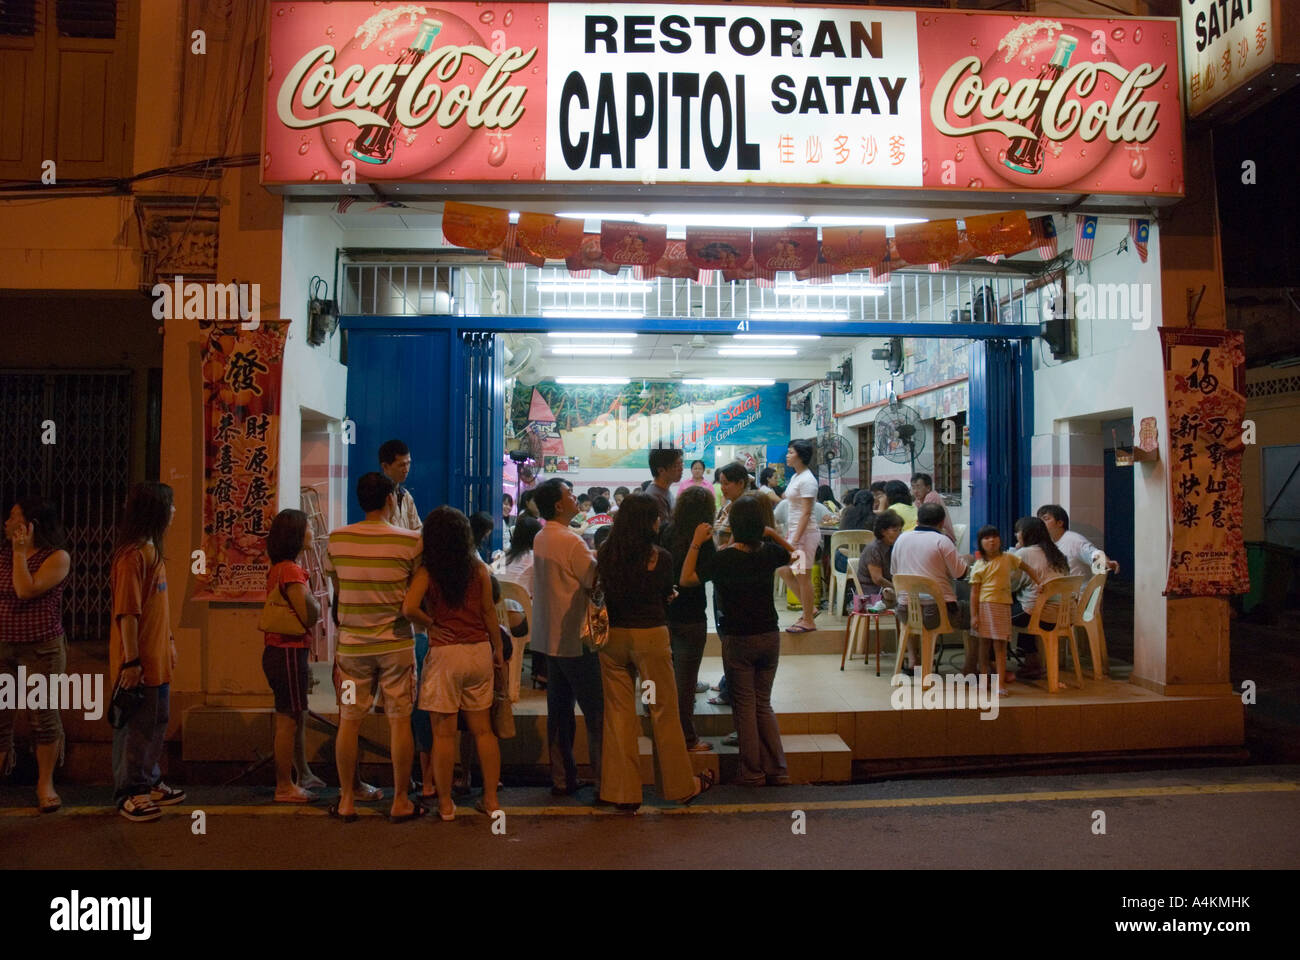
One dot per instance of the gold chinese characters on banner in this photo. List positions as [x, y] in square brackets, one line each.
[241, 442]
[1205, 394]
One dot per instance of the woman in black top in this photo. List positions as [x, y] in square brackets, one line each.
[688, 625]
[751, 642]
[637, 578]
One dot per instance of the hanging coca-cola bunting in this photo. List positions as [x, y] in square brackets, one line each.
[823, 271]
[853, 248]
[549, 236]
[923, 243]
[513, 254]
[672, 264]
[786, 248]
[1000, 234]
[718, 249]
[634, 244]
[474, 227]
[589, 257]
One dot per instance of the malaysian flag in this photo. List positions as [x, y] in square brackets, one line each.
[1140, 231]
[1085, 232]
[1044, 231]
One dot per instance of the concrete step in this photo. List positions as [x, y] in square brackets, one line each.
[810, 758]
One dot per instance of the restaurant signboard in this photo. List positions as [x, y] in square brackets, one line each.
[1225, 43]
[702, 93]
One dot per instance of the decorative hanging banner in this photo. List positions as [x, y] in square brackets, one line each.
[1140, 231]
[788, 248]
[823, 271]
[1205, 393]
[932, 242]
[999, 234]
[854, 248]
[475, 227]
[548, 236]
[672, 264]
[634, 244]
[241, 445]
[513, 253]
[718, 249]
[1044, 230]
[1085, 234]
[589, 257]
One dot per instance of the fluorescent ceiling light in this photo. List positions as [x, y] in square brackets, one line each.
[568, 285]
[576, 335]
[593, 350]
[777, 336]
[572, 313]
[730, 381]
[809, 315]
[841, 221]
[622, 381]
[757, 352]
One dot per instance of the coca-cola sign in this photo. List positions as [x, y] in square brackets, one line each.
[726, 94]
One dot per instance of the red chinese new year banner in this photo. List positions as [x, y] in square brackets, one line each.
[241, 443]
[1205, 393]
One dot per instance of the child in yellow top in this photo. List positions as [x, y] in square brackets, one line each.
[990, 600]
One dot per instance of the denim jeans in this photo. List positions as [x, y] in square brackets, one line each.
[687, 640]
[573, 679]
[750, 663]
[138, 746]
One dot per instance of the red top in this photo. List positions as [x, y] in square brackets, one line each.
[467, 622]
[286, 572]
[34, 620]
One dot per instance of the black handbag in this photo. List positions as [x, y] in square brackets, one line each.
[124, 704]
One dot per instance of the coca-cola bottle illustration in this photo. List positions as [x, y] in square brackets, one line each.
[1025, 154]
[374, 143]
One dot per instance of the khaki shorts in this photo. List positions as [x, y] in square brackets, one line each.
[457, 676]
[393, 673]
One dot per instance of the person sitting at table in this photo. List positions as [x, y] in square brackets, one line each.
[923, 492]
[899, 499]
[826, 496]
[874, 562]
[765, 487]
[926, 552]
[857, 516]
[879, 502]
[1039, 553]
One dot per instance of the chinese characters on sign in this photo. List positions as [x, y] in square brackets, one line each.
[241, 411]
[1204, 373]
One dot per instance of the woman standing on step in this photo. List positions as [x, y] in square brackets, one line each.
[637, 577]
[33, 569]
[751, 640]
[688, 625]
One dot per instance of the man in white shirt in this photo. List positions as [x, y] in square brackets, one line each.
[927, 552]
[923, 492]
[1075, 546]
[564, 571]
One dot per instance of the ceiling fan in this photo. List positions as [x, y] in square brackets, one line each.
[676, 373]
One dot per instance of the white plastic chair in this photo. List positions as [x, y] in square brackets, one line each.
[958, 531]
[853, 541]
[916, 587]
[1089, 618]
[513, 591]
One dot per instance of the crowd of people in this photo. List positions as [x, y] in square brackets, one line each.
[416, 602]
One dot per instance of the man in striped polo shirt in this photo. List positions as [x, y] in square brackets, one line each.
[371, 564]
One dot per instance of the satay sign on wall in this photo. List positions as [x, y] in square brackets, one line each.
[706, 93]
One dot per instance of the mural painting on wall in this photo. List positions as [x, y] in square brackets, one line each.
[1205, 393]
[241, 443]
[603, 425]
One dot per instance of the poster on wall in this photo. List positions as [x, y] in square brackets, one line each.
[714, 93]
[601, 426]
[241, 443]
[1205, 394]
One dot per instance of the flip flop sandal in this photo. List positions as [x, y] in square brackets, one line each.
[419, 811]
[481, 807]
[294, 798]
[51, 806]
[345, 817]
[706, 784]
[719, 702]
[371, 794]
[796, 628]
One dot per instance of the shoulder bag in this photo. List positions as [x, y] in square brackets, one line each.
[279, 616]
[595, 625]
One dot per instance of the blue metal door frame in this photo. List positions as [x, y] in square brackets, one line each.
[1000, 387]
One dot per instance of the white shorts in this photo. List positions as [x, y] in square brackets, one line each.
[457, 676]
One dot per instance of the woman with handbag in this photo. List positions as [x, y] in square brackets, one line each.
[451, 597]
[33, 570]
[287, 619]
[637, 577]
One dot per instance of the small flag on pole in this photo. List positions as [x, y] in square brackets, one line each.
[1085, 232]
[1140, 231]
[1044, 231]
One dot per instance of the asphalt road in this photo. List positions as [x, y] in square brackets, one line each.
[1188, 819]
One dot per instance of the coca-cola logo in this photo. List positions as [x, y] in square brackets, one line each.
[353, 91]
[1000, 105]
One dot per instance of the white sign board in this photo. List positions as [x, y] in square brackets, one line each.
[1225, 43]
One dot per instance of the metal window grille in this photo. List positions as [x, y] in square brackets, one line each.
[18, 18]
[948, 457]
[85, 472]
[494, 289]
[87, 18]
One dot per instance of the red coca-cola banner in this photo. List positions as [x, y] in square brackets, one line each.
[633, 244]
[789, 248]
[728, 250]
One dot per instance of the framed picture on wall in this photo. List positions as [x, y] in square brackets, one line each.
[573, 465]
[550, 464]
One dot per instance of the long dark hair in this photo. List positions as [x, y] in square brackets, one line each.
[988, 530]
[859, 514]
[695, 505]
[449, 553]
[622, 558]
[288, 530]
[1033, 533]
[527, 527]
[146, 516]
[47, 532]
